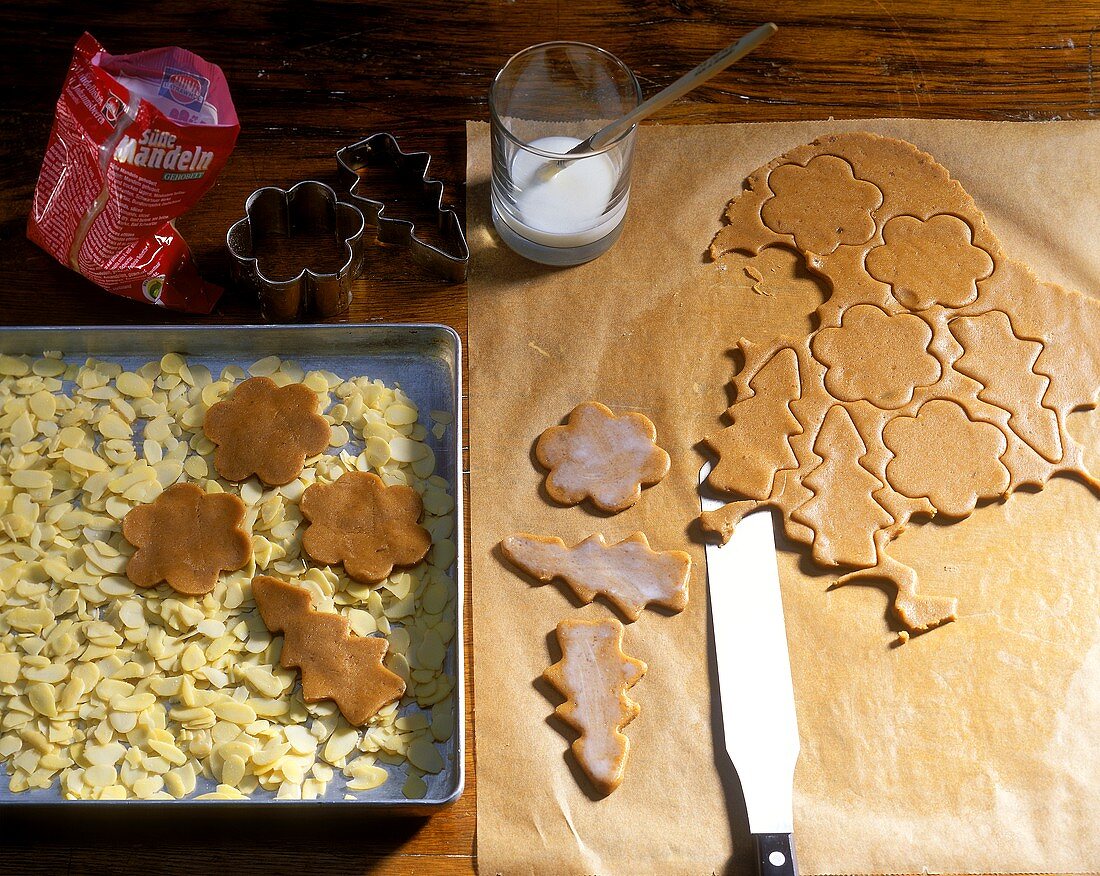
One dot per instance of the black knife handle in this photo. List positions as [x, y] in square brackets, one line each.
[775, 854]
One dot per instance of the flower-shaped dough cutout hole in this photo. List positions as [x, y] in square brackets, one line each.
[876, 356]
[945, 457]
[266, 430]
[822, 204]
[358, 521]
[187, 538]
[600, 456]
[930, 262]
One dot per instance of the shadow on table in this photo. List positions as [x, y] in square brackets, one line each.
[126, 840]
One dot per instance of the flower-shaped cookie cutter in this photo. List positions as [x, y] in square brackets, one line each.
[274, 212]
[448, 261]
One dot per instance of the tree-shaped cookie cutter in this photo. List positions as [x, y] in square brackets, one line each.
[308, 205]
[448, 261]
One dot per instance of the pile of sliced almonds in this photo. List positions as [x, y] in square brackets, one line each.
[114, 691]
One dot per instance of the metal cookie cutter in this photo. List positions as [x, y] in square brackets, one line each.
[272, 211]
[451, 260]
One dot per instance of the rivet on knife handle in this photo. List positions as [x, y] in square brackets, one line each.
[775, 854]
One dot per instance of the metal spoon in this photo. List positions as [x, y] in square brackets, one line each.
[712, 66]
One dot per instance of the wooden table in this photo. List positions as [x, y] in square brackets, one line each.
[308, 78]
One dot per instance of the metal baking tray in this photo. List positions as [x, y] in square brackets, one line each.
[426, 360]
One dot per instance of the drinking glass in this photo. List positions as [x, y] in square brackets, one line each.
[544, 101]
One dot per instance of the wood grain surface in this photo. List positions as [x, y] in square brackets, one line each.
[307, 78]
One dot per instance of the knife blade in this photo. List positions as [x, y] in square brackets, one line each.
[754, 681]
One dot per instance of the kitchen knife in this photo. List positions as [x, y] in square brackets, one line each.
[754, 681]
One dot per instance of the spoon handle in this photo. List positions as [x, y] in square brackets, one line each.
[712, 66]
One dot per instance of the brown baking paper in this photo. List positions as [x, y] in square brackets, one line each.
[973, 749]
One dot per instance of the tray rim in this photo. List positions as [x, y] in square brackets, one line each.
[424, 806]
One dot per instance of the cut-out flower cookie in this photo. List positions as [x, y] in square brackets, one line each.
[945, 457]
[600, 456]
[930, 262]
[266, 430]
[367, 526]
[876, 356]
[187, 538]
[821, 204]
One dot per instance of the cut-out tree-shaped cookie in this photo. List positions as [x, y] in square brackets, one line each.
[629, 573]
[364, 524]
[335, 664]
[266, 430]
[187, 538]
[600, 456]
[594, 675]
[843, 512]
[757, 444]
[1005, 366]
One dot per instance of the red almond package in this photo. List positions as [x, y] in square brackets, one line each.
[136, 141]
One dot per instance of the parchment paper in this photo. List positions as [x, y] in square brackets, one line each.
[973, 749]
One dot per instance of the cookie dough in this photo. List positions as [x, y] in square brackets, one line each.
[939, 375]
[594, 675]
[629, 573]
[266, 430]
[601, 456]
[187, 538]
[336, 665]
[367, 526]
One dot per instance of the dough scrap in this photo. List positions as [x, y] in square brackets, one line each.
[940, 368]
[358, 521]
[266, 430]
[629, 573]
[600, 456]
[335, 664]
[594, 675]
[187, 538]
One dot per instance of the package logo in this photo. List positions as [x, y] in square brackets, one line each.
[113, 107]
[152, 288]
[184, 87]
